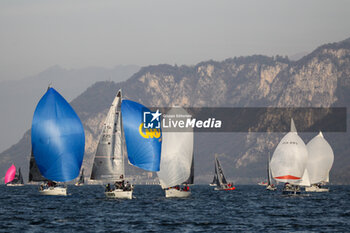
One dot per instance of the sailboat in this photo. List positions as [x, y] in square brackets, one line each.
[221, 183]
[177, 163]
[109, 157]
[122, 135]
[319, 163]
[13, 177]
[288, 163]
[270, 186]
[81, 180]
[58, 143]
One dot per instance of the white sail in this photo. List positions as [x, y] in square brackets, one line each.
[320, 159]
[305, 179]
[327, 179]
[292, 126]
[269, 178]
[289, 160]
[109, 159]
[177, 152]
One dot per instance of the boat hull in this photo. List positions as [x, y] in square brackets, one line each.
[271, 188]
[177, 193]
[291, 190]
[316, 189]
[119, 194]
[212, 184]
[12, 185]
[54, 191]
[224, 189]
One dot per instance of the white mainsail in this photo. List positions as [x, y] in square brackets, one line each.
[109, 157]
[320, 159]
[177, 151]
[289, 160]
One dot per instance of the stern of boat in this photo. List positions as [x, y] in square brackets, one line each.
[119, 194]
[177, 193]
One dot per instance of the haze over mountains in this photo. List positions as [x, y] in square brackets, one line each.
[320, 79]
[19, 98]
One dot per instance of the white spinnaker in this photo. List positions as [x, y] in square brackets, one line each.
[177, 152]
[289, 160]
[305, 179]
[320, 159]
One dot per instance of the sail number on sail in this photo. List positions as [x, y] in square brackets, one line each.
[294, 143]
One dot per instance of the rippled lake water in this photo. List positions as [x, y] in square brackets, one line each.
[246, 209]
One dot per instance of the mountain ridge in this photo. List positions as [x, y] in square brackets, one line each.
[319, 79]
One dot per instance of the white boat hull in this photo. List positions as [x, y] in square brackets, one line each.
[177, 193]
[316, 189]
[119, 193]
[271, 188]
[54, 191]
[212, 184]
[291, 190]
[14, 185]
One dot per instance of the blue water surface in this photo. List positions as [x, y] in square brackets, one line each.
[246, 209]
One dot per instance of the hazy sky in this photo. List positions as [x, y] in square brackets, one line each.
[37, 34]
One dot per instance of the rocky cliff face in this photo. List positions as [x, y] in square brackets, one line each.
[321, 78]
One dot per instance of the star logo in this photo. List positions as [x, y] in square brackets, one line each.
[151, 120]
[156, 115]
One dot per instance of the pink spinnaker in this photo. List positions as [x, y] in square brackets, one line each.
[10, 174]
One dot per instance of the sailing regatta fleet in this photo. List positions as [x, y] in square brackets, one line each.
[58, 143]
[298, 165]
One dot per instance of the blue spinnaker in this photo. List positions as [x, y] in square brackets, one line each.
[58, 138]
[143, 145]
